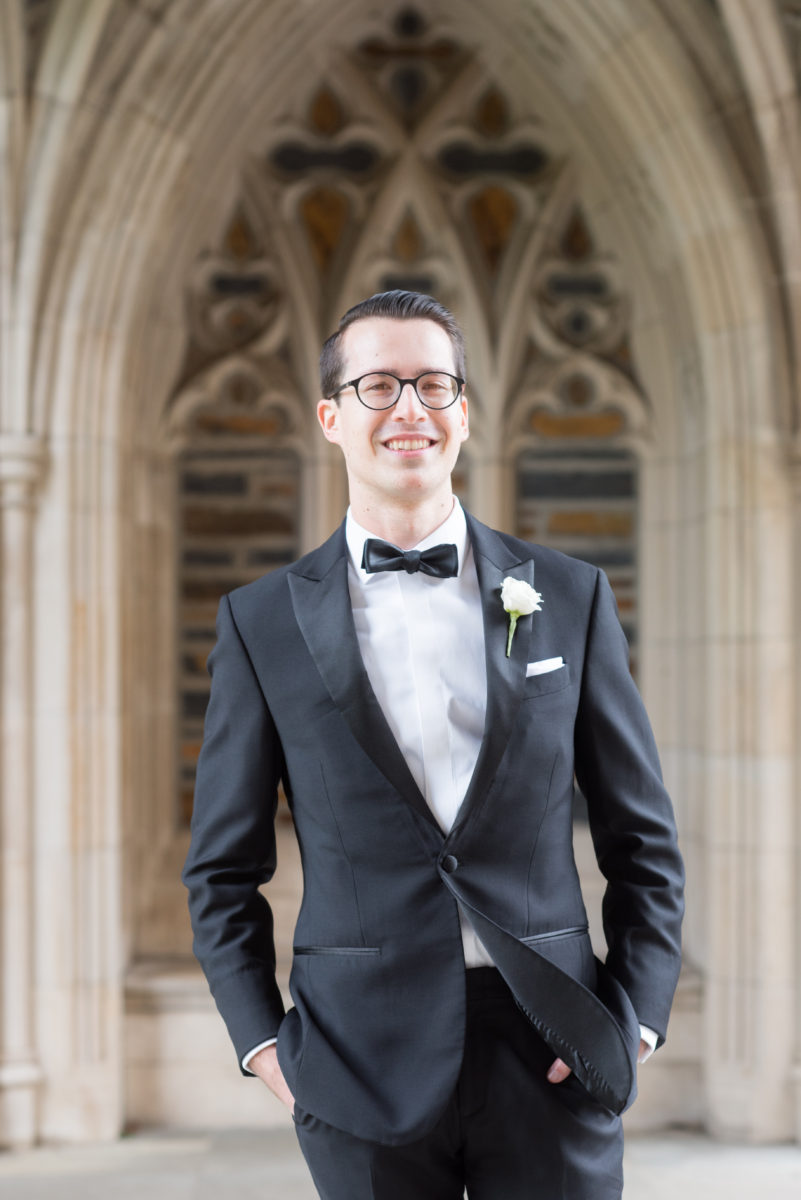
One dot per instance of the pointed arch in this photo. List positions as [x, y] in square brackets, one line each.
[144, 115]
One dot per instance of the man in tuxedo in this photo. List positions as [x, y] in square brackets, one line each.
[451, 1027]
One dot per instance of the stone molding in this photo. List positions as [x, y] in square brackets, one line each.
[23, 459]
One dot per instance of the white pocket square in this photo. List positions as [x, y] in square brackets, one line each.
[543, 666]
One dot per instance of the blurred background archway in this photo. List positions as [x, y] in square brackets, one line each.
[192, 193]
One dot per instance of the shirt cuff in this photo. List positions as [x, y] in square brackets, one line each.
[650, 1038]
[271, 1042]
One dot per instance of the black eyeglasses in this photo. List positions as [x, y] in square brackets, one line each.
[381, 389]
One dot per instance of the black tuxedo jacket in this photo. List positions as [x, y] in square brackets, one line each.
[374, 1041]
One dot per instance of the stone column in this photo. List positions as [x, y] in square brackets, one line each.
[749, 888]
[324, 491]
[491, 490]
[21, 463]
[795, 916]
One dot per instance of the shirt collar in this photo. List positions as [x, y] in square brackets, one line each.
[453, 529]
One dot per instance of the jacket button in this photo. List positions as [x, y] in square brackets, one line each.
[449, 864]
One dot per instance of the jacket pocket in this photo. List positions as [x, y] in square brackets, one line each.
[572, 931]
[568, 949]
[547, 683]
[337, 950]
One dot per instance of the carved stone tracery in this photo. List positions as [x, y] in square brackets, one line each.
[408, 167]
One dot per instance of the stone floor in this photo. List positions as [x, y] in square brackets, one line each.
[267, 1166]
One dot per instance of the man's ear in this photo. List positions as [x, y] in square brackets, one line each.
[328, 416]
[464, 424]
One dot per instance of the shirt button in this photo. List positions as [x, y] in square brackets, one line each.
[449, 864]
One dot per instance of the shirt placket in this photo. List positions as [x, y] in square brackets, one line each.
[432, 706]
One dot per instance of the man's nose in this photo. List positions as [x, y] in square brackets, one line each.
[408, 406]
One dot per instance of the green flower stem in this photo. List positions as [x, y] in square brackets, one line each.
[512, 626]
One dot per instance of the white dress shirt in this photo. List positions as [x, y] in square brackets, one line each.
[422, 644]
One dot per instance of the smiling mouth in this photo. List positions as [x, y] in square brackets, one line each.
[402, 444]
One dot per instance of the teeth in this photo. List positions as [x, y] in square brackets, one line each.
[408, 443]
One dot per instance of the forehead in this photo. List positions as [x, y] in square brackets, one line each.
[400, 345]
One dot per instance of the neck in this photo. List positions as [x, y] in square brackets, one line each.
[401, 525]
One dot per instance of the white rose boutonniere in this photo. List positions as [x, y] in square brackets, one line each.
[519, 599]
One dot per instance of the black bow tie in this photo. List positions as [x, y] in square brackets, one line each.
[441, 561]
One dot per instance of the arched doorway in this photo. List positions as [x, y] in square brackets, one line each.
[465, 176]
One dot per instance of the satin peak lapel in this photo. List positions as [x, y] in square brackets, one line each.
[321, 601]
[506, 677]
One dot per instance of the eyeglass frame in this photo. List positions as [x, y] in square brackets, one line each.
[354, 383]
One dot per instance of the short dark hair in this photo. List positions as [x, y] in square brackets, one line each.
[400, 305]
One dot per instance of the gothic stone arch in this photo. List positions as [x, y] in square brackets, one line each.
[129, 132]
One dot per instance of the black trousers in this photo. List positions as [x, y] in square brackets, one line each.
[506, 1134]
